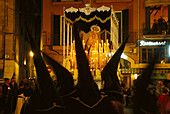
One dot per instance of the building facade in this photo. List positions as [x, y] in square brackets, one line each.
[14, 48]
[9, 49]
[135, 19]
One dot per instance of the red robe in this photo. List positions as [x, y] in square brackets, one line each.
[162, 101]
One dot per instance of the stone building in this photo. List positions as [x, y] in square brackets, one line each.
[14, 48]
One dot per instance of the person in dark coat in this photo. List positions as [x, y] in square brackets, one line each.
[22, 85]
[161, 20]
[128, 94]
[154, 29]
[25, 88]
[1, 103]
[14, 92]
[6, 96]
[164, 26]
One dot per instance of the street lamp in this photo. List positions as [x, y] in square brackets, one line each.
[135, 76]
[31, 64]
[31, 54]
[25, 62]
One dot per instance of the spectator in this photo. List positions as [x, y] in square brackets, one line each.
[128, 95]
[32, 83]
[14, 93]
[22, 85]
[26, 87]
[162, 101]
[168, 25]
[122, 84]
[154, 29]
[6, 95]
[27, 90]
[1, 103]
[160, 20]
[164, 26]
[159, 87]
[160, 24]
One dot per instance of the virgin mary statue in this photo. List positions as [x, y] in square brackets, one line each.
[91, 38]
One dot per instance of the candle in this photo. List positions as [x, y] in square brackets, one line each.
[97, 46]
[72, 63]
[102, 45]
[107, 51]
[71, 50]
[83, 44]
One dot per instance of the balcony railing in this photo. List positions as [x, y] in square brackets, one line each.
[66, 0]
[157, 29]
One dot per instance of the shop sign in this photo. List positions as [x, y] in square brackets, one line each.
[152, 43]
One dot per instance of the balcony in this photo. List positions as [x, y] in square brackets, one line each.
[152, 34]
[108, 1]
[156, 36]
[159, 30]
[56, 2]
[66, 0]
[156, 2]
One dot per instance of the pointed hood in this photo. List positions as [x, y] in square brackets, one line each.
[45, 84]
[88, 90]
[143, 98]
[65, 82]
[144, 79]
[109, 73]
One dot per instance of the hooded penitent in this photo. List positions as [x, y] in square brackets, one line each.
[87, 88]
[89, 98]
[82, 103]
[45, 99]
[109, 75]
[65, 82]
[144, 101]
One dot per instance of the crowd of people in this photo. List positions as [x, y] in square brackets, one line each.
[10, 91]
[161, 92]
[127, 95]
[158, 89]
[160, 26]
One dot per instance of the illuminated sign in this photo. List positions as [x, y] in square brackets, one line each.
[152, 43]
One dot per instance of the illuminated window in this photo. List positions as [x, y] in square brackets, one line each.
[148, 53]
